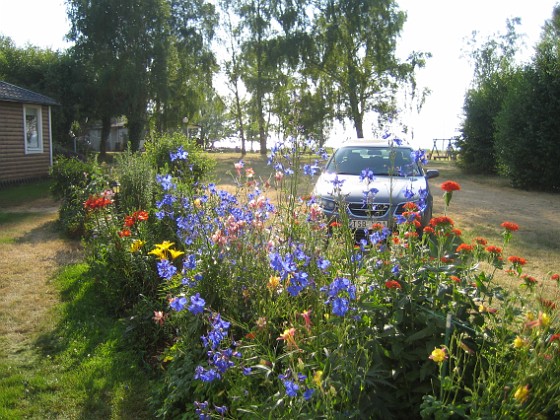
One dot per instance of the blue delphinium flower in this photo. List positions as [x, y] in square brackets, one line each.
[166, 270]
[408, 193]
[197, 304]
[291, 388]
[323, 264]
[165, 181]
[180, 154]
[206, 375]
[178, 303]
[367, 175]
[340, 306]
[340, 292]
[190, 262]
[221, 410]
[337, 183]
[419, 156]
[311, 170]
[202, 410]
[308, 394]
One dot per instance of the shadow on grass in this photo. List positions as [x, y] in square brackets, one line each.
[99, 377]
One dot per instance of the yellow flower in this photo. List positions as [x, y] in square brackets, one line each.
[273, 282]
[521, 394]
[174, 253]
[439, 355]
[165, 245]
[136, 245]
[519, 342]
[289, 337]
[160, 253]
[545, 319]
[198, 203]
[318, 378]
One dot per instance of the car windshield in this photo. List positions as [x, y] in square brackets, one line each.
[382, 161]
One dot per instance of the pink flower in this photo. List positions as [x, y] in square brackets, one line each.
[159, 317]
[306, 315]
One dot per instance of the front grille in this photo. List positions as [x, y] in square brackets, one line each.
[371, 210]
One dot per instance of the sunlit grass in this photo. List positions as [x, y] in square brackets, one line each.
[19, 194]
[79, 369]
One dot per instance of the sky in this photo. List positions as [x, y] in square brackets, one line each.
[440, 27]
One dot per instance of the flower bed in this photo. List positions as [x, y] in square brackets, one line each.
[266, 310]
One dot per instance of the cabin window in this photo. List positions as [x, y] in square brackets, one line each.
[33, 129]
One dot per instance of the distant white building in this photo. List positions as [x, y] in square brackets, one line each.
[118, 136]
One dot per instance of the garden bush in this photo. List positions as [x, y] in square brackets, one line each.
[271, 311]
[160, 147]
[73, 181]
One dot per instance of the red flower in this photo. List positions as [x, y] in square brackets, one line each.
[442, 220]
[555, 277]
[410, 206]
[510, 226]
[517, 260]
[456, 232]
[393, 284]
[554, 337]
[124, 232]
[335, 224]
[450, 186]
[455, 279]
[140, 215]
[529, 280]
[377, 226]
[429, 230]
[464, 247]
[93, 202]
[494, 249]
[547, 303]
[129, 221]
[481, 241]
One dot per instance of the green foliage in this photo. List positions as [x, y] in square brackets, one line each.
[73, 181]
[527, 127]
[269, 311]
[493, 62]
[136, 176]
[160, 146]
[511, 123]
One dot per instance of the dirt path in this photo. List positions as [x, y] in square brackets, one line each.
[30, 254]
[483, 204]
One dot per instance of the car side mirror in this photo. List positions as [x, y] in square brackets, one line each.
[432, 173]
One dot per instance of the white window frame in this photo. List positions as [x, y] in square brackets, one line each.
[36, 146]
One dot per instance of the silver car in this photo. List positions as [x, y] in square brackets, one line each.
[374, 180]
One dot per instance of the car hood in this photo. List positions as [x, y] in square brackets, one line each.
[390, 189]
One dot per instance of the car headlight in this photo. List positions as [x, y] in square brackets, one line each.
[327, 204]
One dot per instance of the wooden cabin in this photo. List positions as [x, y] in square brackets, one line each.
[25, 134]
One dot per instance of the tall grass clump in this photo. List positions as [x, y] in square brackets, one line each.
[270, 310]
[136, 177]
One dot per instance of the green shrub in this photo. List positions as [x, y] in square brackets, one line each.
[158, 151]
[73, 182]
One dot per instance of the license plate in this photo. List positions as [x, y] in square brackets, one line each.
[365, 224]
